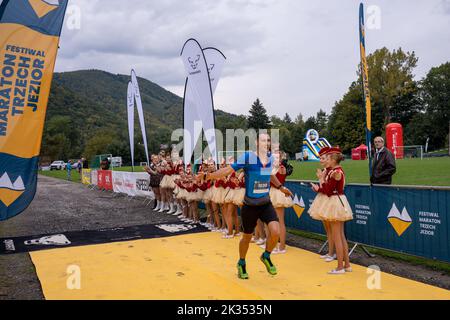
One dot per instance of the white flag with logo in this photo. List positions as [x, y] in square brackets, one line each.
[203, 68]
[130, 111]
[137, 96]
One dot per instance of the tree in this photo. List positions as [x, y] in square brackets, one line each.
[436, 97]
[100, 143]
[321, 122]
[389, 74]
[346, 125]
[406, 104]
[287, 119]
[311, 123]
[394, 97]
[60, 139]
[258, 118]
[277, 122]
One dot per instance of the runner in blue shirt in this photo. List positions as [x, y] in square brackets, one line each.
[257, 205]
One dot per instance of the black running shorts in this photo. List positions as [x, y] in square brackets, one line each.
[250, 215]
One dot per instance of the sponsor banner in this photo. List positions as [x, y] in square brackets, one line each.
[408, 220]
[94, 177]
[29, 37]
[86, 176]
[142, 184]
[104, 179]
[88, 237]
[124, 182]
[132, 183]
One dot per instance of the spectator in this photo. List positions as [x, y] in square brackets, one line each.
[104, 165]
[85, 163]
[79, 166]
[69, 170]
[383, 167]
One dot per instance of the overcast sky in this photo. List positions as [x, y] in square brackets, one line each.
[296, 56]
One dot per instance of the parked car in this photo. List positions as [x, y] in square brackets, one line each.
[58, 165]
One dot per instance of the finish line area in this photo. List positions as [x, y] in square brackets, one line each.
[200, 265]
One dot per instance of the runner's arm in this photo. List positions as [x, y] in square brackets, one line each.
[274, 180]
[221, 173]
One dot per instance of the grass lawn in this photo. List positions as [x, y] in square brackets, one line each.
[429, 171]
[62, 174]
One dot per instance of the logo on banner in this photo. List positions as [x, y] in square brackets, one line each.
[136, 91]
[194, 62]
[43, 7]
[174, 228]
[299, 206]
[55, 240]
[142, 185]
[10, 191]
[399, 221]
[9, 245]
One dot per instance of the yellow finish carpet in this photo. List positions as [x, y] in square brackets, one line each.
[203, 266]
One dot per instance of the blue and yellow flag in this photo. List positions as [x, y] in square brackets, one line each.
[365, 83]
[29, 37]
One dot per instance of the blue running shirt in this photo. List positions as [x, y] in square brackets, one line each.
[257, 176]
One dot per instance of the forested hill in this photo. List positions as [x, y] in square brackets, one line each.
[87, 112]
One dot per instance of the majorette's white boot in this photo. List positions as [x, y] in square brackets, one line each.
[172, 208]
[161, 209]
[179, 210]
[158, 205]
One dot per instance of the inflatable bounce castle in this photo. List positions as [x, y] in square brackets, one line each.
[312, 144]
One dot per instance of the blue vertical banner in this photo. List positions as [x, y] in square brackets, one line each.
[365, 84]
[29, 38]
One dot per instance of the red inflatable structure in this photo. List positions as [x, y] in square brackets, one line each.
[359, 153]
[394, 139]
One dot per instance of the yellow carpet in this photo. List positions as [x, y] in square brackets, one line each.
[202, 266]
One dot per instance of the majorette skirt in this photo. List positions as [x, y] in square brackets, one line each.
[279, 199]
[164, 181]
[218, 194]
[176, 191]
[330, 208]
[207, 195]
[194, 195]
[182, 193]
[229, 195]
[171, 182]
[239, 198]
[235, 196]
[155, 180]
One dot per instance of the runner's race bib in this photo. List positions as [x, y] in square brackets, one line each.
[260, 187]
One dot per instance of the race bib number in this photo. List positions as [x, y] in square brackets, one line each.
[260, 187]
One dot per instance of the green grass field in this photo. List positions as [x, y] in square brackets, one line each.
[431, 171]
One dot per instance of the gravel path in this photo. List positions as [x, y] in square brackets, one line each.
[61, 206]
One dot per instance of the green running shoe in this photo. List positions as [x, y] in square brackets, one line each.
[269, 265]
[242, 272]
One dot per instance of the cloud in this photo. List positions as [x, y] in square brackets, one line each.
[295, 55]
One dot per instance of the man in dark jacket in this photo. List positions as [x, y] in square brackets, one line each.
[383, 167]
